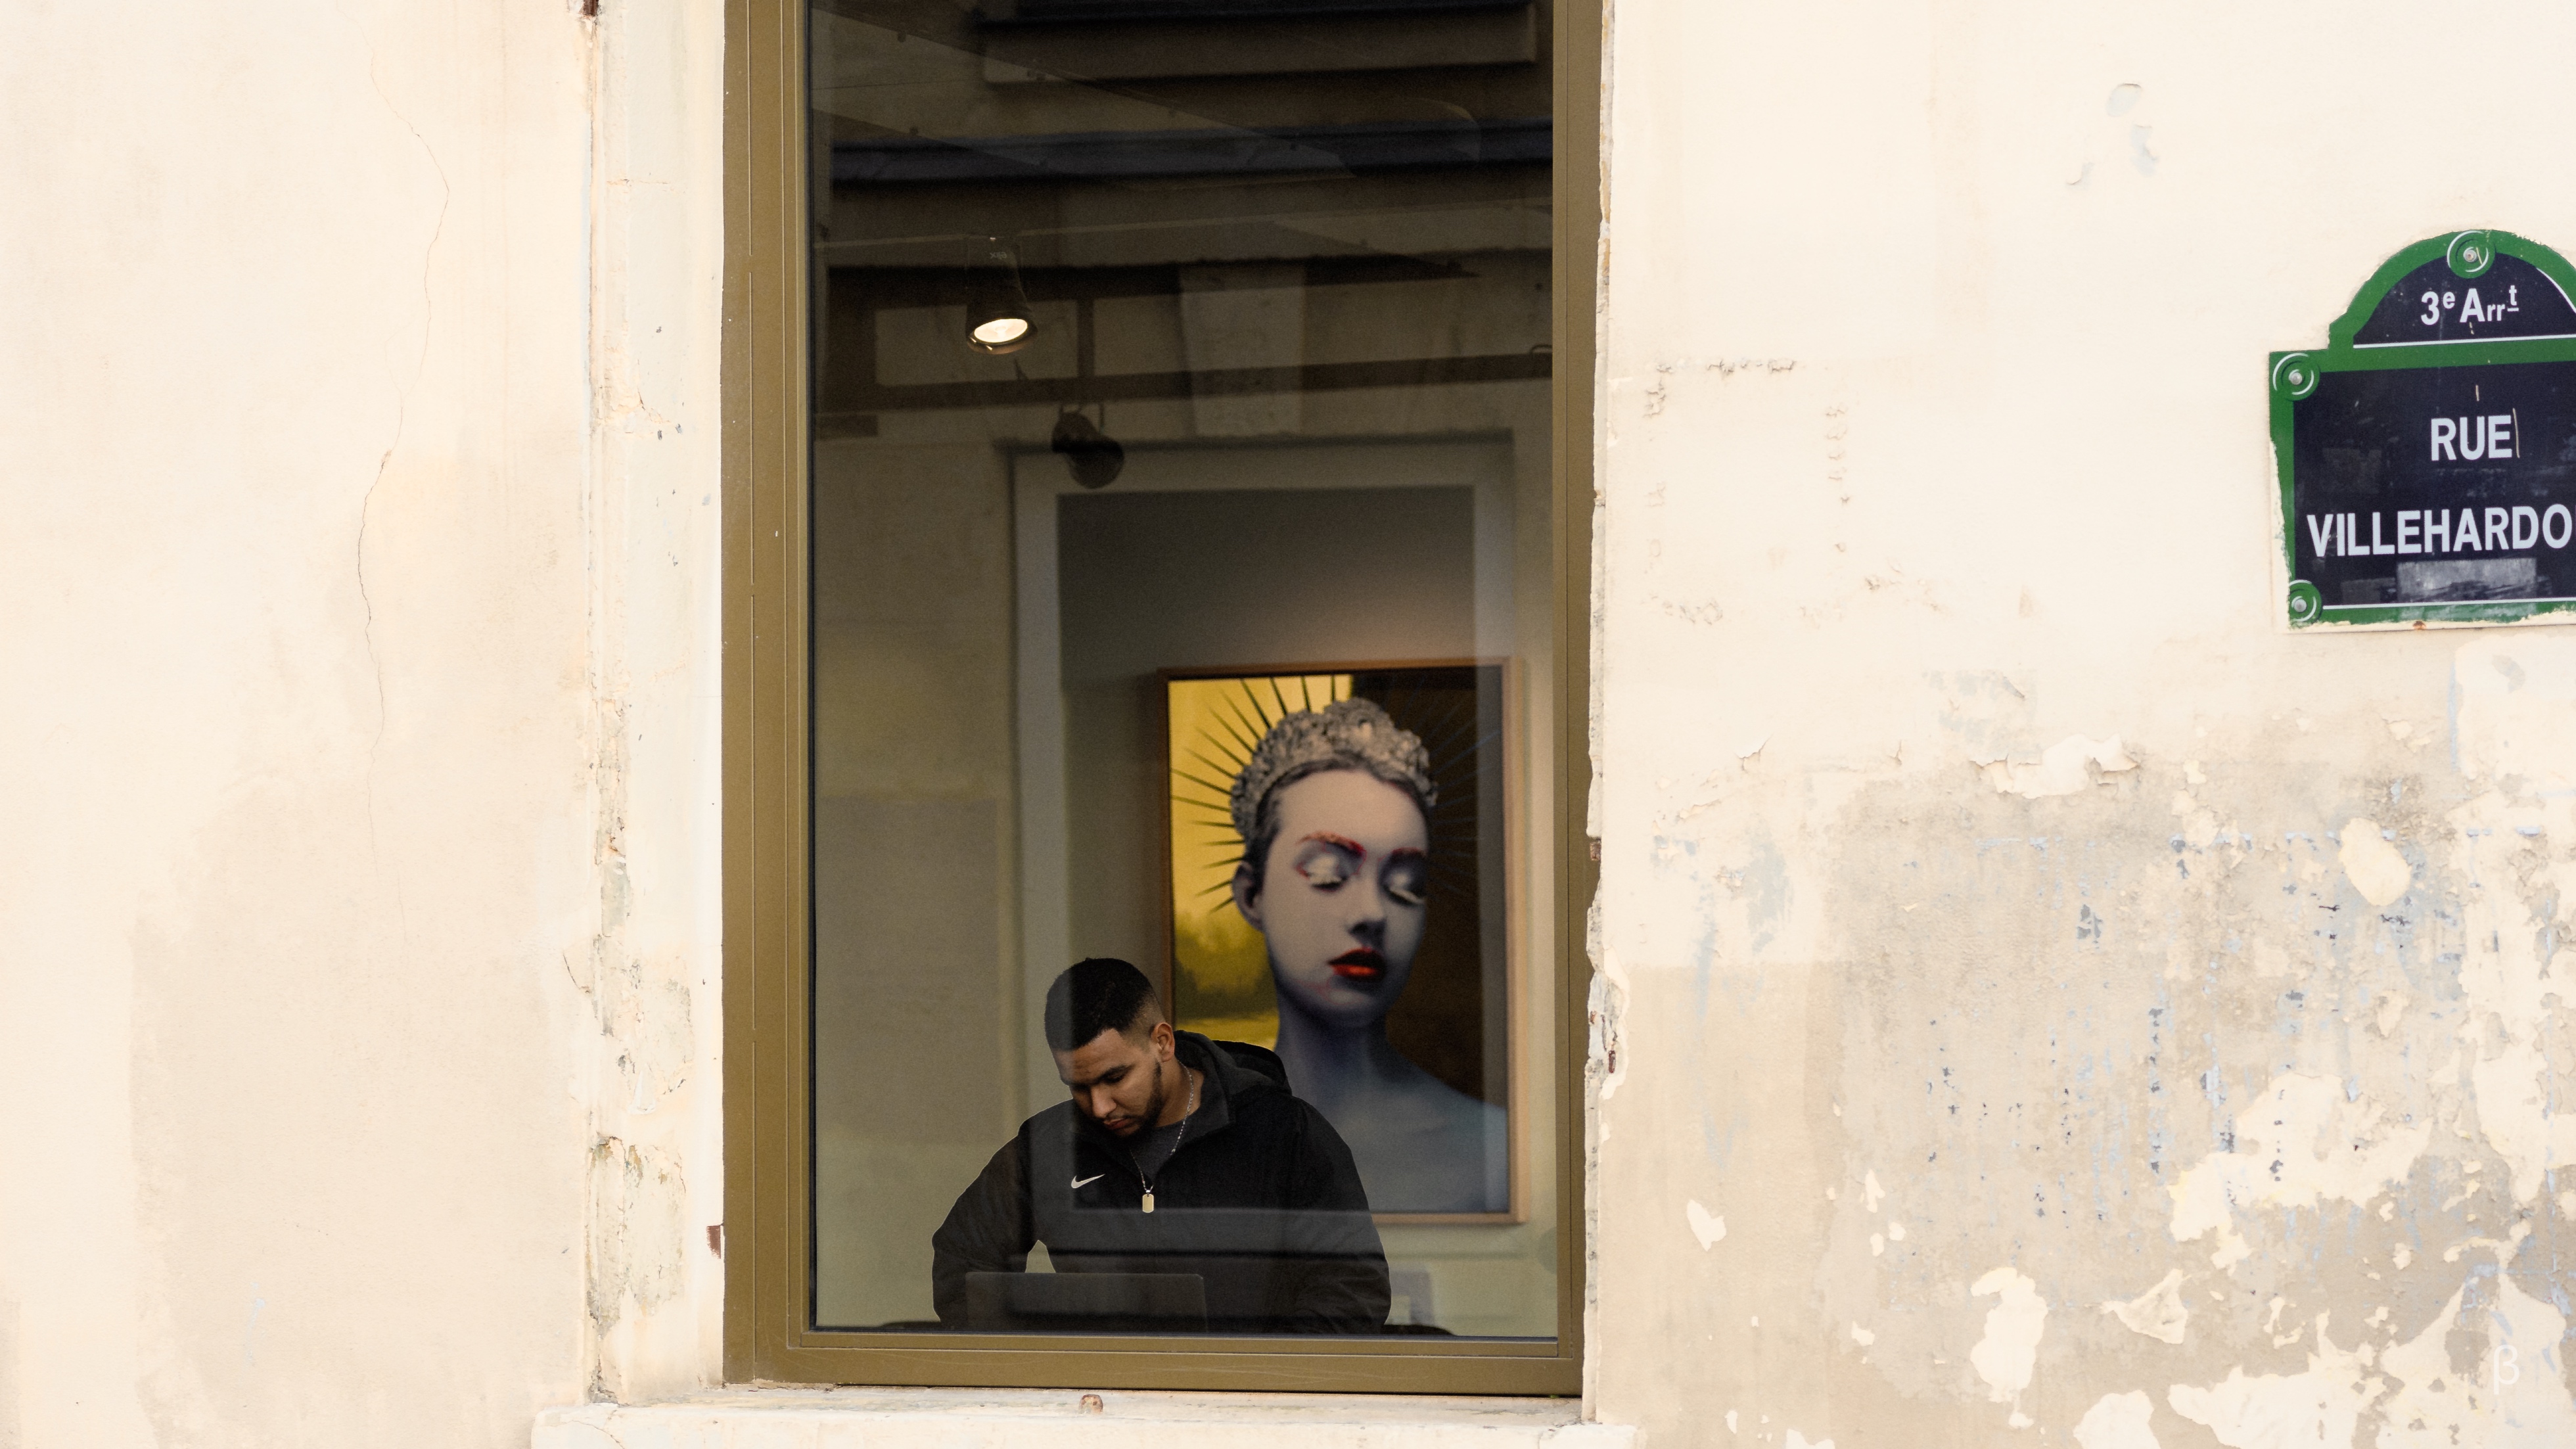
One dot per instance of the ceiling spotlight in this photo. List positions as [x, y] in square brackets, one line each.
[1093, 457]
[999, 334]
[997, 311]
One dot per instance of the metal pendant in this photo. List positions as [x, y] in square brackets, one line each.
[1149, 1199]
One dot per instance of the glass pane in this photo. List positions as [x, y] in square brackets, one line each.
[1181, 559]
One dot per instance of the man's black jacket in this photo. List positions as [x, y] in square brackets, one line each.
[1261, 1201]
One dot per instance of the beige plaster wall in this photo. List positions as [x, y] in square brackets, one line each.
[2034, 986]
[357, 901]
[2044, 1001]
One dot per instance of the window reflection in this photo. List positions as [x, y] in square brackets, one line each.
[1180, 567]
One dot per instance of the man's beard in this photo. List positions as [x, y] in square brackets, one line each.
[1153, 1106]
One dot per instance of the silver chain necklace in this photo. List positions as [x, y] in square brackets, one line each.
[1176, 1141]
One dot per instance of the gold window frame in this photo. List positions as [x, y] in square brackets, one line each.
[768, 1238]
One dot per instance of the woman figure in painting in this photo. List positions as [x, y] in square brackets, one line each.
[1334, 808]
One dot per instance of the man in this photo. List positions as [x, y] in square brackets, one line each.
[1176, 1154]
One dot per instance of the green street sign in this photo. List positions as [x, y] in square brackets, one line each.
[2427, 453]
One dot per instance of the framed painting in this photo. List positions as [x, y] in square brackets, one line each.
[1339, 876]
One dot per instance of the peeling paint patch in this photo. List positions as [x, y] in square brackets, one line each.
[1609, 994]
[2517, 1394]
[2071, 765]
[2372, 864]
[2391, 1010]
[2157, 1313]
[637, 1231]
[2008, 1353]
[2515, 967]
[2118, 1421]
[2322, 1406]
[2510, 712]
[2303, 1142]
[1706, 1226]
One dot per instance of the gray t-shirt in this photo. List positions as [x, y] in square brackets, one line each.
[1154, 1146]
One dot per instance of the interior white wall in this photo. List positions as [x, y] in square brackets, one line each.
[358, 400]
[1935, 438]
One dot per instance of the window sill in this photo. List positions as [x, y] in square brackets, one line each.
[958, 1418]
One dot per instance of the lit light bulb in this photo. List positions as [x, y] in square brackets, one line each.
[998, 320]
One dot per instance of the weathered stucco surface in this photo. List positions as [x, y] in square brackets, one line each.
[2040, 1000]
[2051, 1002]
[357, 385]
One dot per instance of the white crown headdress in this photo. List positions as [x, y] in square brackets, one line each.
[1350, 733]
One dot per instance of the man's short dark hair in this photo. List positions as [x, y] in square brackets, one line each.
[1101, 994]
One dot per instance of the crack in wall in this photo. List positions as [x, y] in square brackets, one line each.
[384, 460]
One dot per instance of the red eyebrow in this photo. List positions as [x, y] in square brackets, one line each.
[1339, 842]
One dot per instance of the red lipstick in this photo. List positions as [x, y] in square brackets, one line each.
[1362, 964]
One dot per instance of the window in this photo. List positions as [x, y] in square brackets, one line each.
[1152, 435]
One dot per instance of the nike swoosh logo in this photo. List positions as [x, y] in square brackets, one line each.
[1080, 1183]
